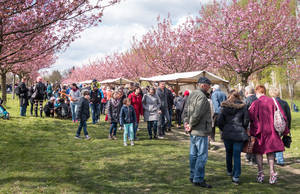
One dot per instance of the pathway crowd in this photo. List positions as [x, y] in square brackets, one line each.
[238, 115]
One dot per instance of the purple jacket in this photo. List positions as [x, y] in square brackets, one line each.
[261, 114]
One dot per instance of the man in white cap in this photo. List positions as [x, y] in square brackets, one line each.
[217, 98]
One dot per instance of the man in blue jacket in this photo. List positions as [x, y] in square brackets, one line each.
[217, 98]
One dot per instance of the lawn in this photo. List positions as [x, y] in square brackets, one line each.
[41, 155]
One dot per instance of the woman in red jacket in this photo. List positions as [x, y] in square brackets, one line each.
[136, 101]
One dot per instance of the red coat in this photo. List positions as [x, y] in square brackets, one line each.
[262, 127]
[136, 102]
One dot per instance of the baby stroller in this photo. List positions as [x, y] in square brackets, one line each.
[3, 112]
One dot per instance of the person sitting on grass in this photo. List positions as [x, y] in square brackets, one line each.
[49, 107]
[128, 119]
[83, 114]
[62, 109]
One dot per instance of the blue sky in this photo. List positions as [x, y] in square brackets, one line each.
[120, 23]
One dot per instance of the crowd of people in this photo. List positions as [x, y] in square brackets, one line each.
[237, 114]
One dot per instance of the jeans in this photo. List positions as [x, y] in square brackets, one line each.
[73, 110]
[113, 128]
[95, 112]
[233, 150]
[170, 118]
[82, 124]
[178, 116]
[152, 125]
[162, 122]
[198, 157]
[128, 128]
[23, 111]
[279, 158]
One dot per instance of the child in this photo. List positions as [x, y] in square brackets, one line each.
[83, 114]
[113, 110]
[128, 119]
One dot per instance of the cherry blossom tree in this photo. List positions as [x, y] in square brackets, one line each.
[246, 38]
[53, 23]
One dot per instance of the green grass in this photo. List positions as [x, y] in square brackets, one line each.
[41, 156]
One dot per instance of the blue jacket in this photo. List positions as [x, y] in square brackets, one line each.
[217, 98]
[127, 115]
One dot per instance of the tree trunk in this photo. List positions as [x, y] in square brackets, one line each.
[244, 79]
[13, 86]
[3, 86]
[280, 90]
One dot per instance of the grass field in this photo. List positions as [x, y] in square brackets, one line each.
[40, 155]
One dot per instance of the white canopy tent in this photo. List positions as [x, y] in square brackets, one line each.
[187, 78]
[117, 81]
[86, 82]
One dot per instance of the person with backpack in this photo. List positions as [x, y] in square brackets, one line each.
[274, 93]
[38, 96]
[179, 103]
[49, 90]
[22, 92]
[262, 127]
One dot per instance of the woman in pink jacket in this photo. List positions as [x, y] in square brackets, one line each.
[268, 140]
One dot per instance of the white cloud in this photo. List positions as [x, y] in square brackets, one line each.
[120, 23]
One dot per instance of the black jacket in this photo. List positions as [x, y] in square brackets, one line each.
[170, 98]
[233, 121]
[83, 109]
[286, 108]
[95, 97]
[39, 91]
[22, 92]
[48, 107]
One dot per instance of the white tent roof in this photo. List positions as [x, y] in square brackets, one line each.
[118, 81]
[186, 78]
[86, 82]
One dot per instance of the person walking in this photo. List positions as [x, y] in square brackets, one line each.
[96, 98]
[274, 93]
[197, 122]
[163, 121]
[74, 98]
[83, 114]
[217, 98]
[268, 140]
[179, 103]
[39, 92]
[128, 119]
[113, 110]
[250, 98]
[151, 105]
[22, 92]
[233, 121]
[136, 101]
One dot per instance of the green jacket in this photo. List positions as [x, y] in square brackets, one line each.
[198, 114]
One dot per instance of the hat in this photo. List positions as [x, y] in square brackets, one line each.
[52, 98]
[186, 93]
[216, 87]
[204, 80]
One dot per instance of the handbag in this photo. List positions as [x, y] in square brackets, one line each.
[249, 144]
[279, 122]
[287, 140]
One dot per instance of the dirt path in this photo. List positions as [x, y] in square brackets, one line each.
[218, 148]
